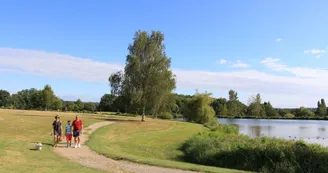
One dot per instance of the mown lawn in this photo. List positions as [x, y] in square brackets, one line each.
[154, 142]
[18, 131]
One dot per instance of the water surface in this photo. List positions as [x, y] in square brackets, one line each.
[312, 131]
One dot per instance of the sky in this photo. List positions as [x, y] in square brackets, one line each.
[276, 48]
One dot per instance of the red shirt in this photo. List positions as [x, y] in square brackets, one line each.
[77, 124]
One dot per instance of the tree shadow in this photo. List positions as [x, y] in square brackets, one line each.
[33, 115]
[114, 119]
[120, 120]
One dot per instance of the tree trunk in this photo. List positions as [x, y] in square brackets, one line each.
[143, 113]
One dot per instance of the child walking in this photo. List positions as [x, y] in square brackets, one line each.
[68, 133]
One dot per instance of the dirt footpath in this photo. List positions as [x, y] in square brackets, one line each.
[89, 158]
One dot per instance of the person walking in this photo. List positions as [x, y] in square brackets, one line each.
[68, 133]
[57, 129]
[77, 131]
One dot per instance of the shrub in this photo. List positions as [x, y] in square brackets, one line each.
[229, 128]
[225, 128]
[289, 115]
[166, 116]
[178, 116]
[259, 154]
[199, 109]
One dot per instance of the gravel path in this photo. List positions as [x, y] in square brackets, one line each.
[91, 159]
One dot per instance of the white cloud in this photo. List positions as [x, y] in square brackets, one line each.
[222, 61]
[303, 87]
[240, 64]
[315, 51]
[278, 39]
[318, 56]
[55, 65]
[310, 74]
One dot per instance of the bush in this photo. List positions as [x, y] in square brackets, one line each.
[166, 116]
[229, 128]
[225, 128]
[259, 155]
[178, 116]
[199, 109]
[289, 115]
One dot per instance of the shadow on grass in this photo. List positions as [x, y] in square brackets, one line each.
[47, 144]
[120, 120]
[33, 115]
[115, 119]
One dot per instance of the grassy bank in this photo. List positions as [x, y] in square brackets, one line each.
[261, 154]
[155, 142]
[18, 131]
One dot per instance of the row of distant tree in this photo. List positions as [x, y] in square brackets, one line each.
[222, 107]
[45, 99]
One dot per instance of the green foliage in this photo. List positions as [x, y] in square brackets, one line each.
[259, 154]
[233, 95]
[177, 116]
[48, 96]
[228, 128]
[322, 108]
[106, 103]
[70, 106]
[57, 104]
[283, 112]
[28, 99]
[198, 109]
[255, 108]
[90, 107]
[305, 113]
[289, 115]
[225, 128]
[79, 105]
[116, 84]
[166, 116]
[180, 103]
[220, 106]
[269, 111]
[147, 81]
[236, 108]
[4, 98]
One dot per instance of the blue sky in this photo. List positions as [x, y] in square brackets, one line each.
[277, 48]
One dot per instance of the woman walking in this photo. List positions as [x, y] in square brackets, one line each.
[57, 129]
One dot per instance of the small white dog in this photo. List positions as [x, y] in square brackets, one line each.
[38, 146]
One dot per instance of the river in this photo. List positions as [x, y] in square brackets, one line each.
[311, 131]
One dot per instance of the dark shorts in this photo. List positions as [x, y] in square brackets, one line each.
[76, 133]
[57, 133]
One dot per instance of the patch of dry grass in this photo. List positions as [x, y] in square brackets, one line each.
[20, 129]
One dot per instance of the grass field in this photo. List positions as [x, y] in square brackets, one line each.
[154, 142]
[18, 131]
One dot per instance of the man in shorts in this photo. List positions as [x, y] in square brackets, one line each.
[77, 131]
[57, 129]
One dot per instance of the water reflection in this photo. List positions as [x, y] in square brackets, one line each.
[313, 131]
